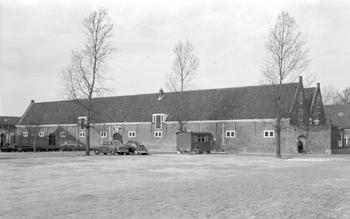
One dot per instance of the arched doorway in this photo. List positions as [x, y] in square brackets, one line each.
[301, 144]
[117, 136]
[2, 139]
[52, 139]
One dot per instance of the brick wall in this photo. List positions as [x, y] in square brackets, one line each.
[249, 136]
[317, 141]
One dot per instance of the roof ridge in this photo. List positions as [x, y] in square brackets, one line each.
[186, 91]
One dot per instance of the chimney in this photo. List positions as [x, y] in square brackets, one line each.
[32, 101]
[300, 79]
[161, 94]
[318, 86]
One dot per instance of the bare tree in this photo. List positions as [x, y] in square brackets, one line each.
[85, 76]
[287, 56]
[35, 133]
[329, 94]
[183, 70]
[343, 97]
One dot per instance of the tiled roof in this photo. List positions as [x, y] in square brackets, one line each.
[9, 120]
[253, 102]
[338, 115]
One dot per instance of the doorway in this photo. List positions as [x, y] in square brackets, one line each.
[52, 139]
[117, 136]
[301, 144]
[2, 139]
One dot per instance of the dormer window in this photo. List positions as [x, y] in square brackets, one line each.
[158, 120]
[82, 121]
[117, 128]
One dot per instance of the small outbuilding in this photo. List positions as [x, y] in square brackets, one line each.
[195, 142]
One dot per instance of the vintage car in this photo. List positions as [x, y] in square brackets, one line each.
[9, 148]
[70, 146]
[110, 146]
[24, 148]
[133, 147]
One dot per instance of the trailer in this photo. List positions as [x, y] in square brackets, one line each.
[194, 142]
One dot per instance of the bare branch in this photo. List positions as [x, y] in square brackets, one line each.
[287, 57]
[343, 97]
[184, 70]
[85, 76]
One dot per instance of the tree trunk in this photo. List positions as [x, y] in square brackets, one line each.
[278, 138]
[87, 148]
[278, 125]
[34, 144]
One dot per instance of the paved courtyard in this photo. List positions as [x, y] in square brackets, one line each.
[69, 185]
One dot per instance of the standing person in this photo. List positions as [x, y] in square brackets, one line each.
[300, 146]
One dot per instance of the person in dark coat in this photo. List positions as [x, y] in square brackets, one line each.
[300, 146]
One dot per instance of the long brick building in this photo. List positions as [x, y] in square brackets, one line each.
[240, 119]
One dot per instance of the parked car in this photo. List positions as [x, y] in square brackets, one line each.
[53, 148]
[133, 147]
[111, 146]
[69, 146]
[9, 148]
[24, 148]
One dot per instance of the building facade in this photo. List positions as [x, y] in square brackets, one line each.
[7, 130]
[338, 116]
[241, 120]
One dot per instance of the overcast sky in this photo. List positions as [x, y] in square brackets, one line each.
[37, 37]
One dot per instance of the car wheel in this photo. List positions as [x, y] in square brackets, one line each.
[196, 151]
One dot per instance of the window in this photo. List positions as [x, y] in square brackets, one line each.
[117, 128]
[41, 134]
[132, 134]
[269, 134]
[347, 141]
[25, 134]
[230, 134]
[81, 134]
[82, 121]
[158, 119]
[202, 138]
[63, 134]
[103, 134]
[158, 134]
[340, 114]
[300, 115]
